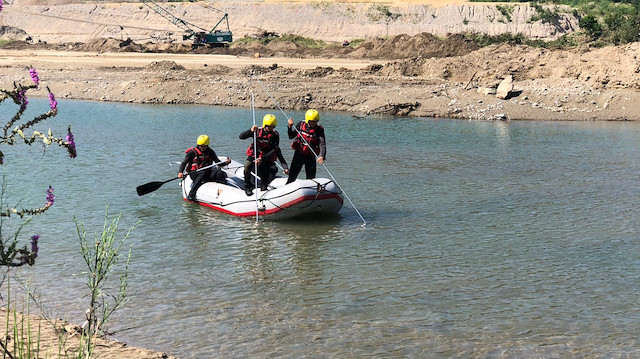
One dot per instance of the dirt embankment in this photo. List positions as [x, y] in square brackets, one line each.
[333, 21]
[448, 78]
[418, 75]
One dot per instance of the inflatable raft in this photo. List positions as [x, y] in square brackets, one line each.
[280, 201]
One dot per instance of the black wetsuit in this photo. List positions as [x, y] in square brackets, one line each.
[305, 157]
[200, 177]
[267, 168]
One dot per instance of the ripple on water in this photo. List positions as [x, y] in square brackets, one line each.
[482, 239]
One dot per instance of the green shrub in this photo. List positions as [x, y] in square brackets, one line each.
[603, 21]
[506, 11]
[267, 38]
[302, 41]
[623, 25]
[381, 12]
[590, 25]
[355, 43]
[101, 255]
[484, 40]
[547, 16]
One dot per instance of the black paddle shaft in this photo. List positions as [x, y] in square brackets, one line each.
[152, 186]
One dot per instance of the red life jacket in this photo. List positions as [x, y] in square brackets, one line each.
[201, 159]
[266, 142]
[311, 136]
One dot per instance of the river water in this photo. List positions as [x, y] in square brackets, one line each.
[483, 239]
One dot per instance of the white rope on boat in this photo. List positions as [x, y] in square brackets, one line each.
[364, 223]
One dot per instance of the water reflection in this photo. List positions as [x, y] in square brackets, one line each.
[502, 133]
[273, 253]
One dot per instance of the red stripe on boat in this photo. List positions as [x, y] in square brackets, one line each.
[278, 208]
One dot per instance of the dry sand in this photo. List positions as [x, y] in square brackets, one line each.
[69, 334]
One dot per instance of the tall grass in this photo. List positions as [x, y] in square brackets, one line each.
[101, 256]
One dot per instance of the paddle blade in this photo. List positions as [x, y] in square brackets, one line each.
[148, 187]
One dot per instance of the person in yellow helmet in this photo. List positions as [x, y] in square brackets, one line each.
[268, 143]
[309, 145]
[198, 157]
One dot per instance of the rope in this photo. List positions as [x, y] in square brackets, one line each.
[318, 187]
[364, 223]
[82, 21]
[255, 152]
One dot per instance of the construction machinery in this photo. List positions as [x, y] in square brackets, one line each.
[197, 34]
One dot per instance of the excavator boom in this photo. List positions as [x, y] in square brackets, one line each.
[200, 36]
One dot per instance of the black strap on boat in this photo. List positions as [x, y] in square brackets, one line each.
[319, 189]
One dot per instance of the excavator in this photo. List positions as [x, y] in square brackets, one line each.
[198, 35]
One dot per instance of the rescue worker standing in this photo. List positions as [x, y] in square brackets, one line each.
[268, 142]
[306, 133]
[198, 157]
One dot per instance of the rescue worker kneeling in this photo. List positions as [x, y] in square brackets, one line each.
[198, 157]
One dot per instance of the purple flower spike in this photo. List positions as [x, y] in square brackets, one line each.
[22, 98]
[34, 243]
[50, 196]
[34, 75]
[0, 5]
[52, 101]
[71, 145]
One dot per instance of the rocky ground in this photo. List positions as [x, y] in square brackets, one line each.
[405, 75]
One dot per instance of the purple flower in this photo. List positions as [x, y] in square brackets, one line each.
[52, 101]
[71, 145]
[34, 243]
[22, 98]
[34, 75]
[50, 196]
[0, 5]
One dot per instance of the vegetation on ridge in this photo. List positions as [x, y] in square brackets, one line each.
[603, 22]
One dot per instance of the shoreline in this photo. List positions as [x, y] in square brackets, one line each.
[360, 87]
[48, 339]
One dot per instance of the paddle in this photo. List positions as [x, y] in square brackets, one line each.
[152, 186]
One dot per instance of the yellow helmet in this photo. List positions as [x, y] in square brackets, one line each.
[269, 120]
[203, 140]
[311, 115]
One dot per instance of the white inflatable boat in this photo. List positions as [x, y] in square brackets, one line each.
[302, 197]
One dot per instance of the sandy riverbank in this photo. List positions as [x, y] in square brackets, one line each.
[69, 334]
